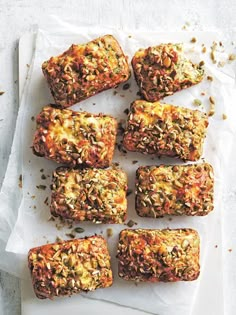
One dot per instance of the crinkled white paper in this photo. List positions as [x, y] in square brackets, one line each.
[33, 228]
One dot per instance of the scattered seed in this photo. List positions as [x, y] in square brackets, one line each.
[59, 240]
[212, 100]
[204, 50]
[79, 230]
[44, 177]
[193, 40]
[201, 63]
[46, 202]
[20, 181]
[126, 111]
[224, 116]
[131, 223]
[134, 162]
[41, 170]
[70, 235]
[32, 118]
[197, 102]
[42, 187]
[126, 86]
[216, 246]
[129, 192]
[109, 232]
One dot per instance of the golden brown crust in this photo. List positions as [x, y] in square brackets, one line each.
[163, 129]
[159, 255]
[97, 195]
[85, 70]
[62, 269]
[174, 190]
[75, 138]
[163, 70]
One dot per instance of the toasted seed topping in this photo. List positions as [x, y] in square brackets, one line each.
[174, 190]
[86, 69]
[97, 195]
[163, 70]
[75, 138]
[163, 129]
[158, 255]
[70, 267]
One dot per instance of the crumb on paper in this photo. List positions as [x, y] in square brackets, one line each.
[41, 170]
[131, 223]
[51, 218]
[33, 197]
[134, 162]
[43, 177]
[221, 64]
[109, 232]
[32, 118]
[224, 116]
[1, 93]
[232, 57]
[20, 181]
[27, 65]
[170, 219]
[94, 104]
[216, 246]
[204, 50]
[201, 63]
[130, 36]
[209, 78]
[115, 92]
[193, 40]
[230, 250]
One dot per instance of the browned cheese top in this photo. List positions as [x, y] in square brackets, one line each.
[75, 138]
[86, 69]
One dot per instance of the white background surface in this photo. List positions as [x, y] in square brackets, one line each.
[17, 17]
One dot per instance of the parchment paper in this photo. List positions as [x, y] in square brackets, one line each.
[33, 228]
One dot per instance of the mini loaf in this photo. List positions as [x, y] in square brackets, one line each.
[62, 269]
[163, 70]
[175, 190]
[85, 70]
[159, 255]
[97, 195]
[75, 138]
[163, 129]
